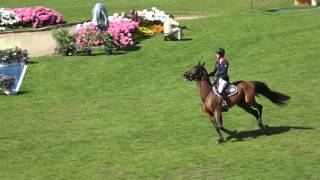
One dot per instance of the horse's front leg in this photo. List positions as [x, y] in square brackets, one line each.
[214, 123]
[218, 117]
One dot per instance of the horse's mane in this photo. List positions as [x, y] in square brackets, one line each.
[201, 66]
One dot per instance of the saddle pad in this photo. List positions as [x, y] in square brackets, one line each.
[231, 90]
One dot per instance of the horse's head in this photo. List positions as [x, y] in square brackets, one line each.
[196, 73]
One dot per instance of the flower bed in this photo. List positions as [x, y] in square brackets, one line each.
[123, 31]
[153, 15]
[8, 19]
[88, 35]
[31, 16]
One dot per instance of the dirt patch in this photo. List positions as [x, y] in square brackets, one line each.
[39, 43]
[190, 16]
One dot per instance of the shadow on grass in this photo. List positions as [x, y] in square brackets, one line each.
[184, 39]
[22, 92]
[32, 62]
[292, 9]
[119, 51]
[15, 94]
[114, 53]
[130, 48]
[241, 136]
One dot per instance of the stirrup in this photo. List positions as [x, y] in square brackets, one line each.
[224, 106]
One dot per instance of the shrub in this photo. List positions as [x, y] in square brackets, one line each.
[13, 55]
[65, 41]
[122, 30]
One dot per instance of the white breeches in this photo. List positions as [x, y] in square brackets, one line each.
[222, 85]
[176, 32]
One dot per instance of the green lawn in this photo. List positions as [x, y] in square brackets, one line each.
[132, 116]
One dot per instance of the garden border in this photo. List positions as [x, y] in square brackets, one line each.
[191, 15]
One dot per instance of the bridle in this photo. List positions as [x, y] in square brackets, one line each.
[210, 86]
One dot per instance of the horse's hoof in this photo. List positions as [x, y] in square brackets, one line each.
[266, 126]
[262, 127]
[234, 132]
[220, 141]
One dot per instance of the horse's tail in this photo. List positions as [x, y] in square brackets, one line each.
[275, 97]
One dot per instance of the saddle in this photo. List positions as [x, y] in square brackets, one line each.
[231, 89]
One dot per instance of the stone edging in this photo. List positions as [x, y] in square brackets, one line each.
[47, 28]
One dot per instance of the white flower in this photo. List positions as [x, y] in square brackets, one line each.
[154, 15]
[79, 26]
[8, 18]
[115, 15]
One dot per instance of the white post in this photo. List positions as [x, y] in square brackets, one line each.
[315, 2]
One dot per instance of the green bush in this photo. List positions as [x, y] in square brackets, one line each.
[65, 41]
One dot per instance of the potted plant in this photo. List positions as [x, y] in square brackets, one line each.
[13, 55]
[65, 42]
[87, 51]
[5, 83]
[108, 42]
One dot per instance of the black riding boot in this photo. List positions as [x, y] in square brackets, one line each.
[225, 101]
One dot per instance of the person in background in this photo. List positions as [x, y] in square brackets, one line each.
[100, 16]
[172, 29]
[221, 74]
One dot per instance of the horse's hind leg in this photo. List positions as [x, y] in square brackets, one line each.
[248, 109]
[259, 107]
[255, 110]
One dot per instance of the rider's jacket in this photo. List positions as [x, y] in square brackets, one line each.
[221, 69]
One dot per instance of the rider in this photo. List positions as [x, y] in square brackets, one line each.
[221, 73]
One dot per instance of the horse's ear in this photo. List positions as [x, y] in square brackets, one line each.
[203, 64]
[199, 63]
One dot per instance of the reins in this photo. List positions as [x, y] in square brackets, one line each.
[205, 97]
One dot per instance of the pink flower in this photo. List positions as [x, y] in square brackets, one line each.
[120, 28]
[41, 15]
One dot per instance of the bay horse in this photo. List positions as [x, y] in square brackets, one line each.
[244, 98]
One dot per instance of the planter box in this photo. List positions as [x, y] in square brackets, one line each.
[14, 71]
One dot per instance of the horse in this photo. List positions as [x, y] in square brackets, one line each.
[244, 98]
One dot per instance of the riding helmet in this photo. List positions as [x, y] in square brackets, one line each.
[220, 51]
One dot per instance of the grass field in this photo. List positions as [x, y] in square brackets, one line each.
[132, 116]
